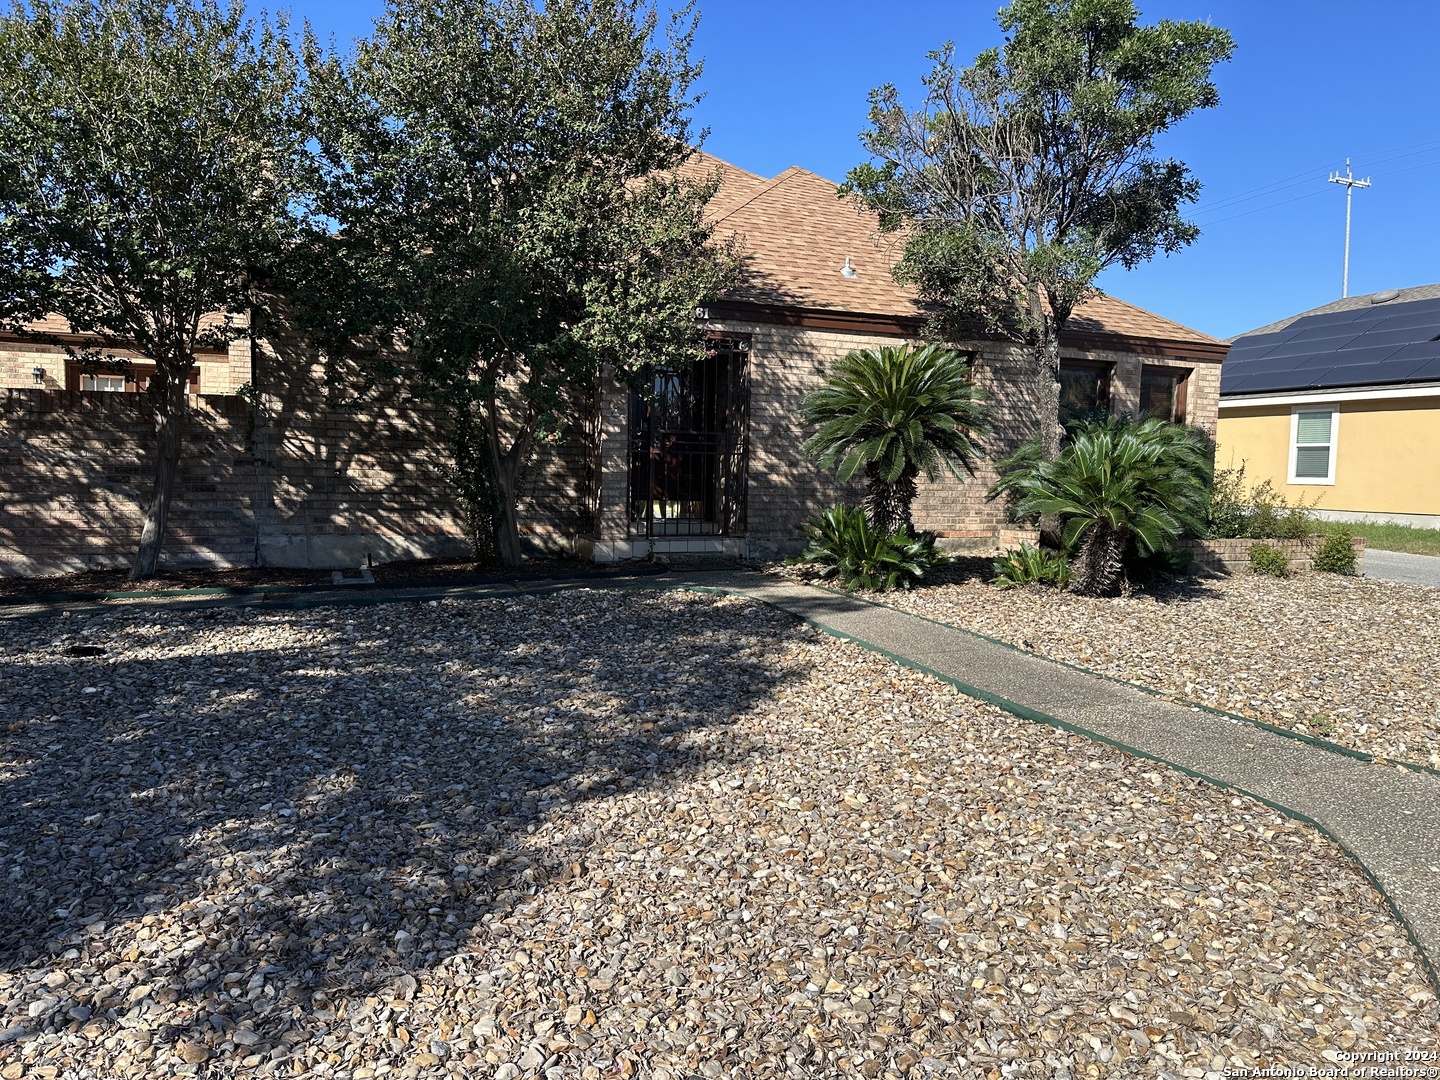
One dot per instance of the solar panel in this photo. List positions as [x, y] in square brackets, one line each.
[1427, 322]
[1366, 346]
[1422, 350]
[1429, 371]
[1384, 337]
[1309, 346]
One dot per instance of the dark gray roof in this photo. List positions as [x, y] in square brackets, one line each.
[1381, 339]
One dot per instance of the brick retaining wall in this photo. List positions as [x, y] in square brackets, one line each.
[1233, 556]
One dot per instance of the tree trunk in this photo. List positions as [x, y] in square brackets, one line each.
[507, 528]
[1048, 376]
[475, 478]
[167, 404]
[1101, 560]
[887, 506]
[1047, 363]
[505, 467]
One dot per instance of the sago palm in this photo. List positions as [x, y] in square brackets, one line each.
[1117, 483]
[896, 413]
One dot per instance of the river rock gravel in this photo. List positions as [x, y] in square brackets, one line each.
[1350, 660]
[662, 835]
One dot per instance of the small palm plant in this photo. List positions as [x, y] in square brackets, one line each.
[1117, 484]
[842, 544]
[896, 413]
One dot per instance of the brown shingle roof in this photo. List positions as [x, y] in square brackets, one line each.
[1111, 315]
[796, 233]
[57, 325]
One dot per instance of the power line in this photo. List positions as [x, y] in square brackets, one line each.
[1284, 183]
[1312, 194]
[1259, 209]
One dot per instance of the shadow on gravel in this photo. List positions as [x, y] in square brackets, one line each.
[251, 835]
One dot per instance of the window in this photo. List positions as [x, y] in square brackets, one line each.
[1162, 393]
[134, 381]
[1312, 445]
[1084, 389]
[110, 384]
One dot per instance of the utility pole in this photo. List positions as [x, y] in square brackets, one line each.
[1350, 185]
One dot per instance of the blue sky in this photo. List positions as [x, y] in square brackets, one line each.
[1311, 83]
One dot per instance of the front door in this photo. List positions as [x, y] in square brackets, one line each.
[689, 445]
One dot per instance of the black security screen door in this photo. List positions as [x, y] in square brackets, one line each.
[689, 444]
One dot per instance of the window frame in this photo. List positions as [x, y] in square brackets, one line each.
[121, 389]
[137, 377]
[1180, 376]
[1106, 372]
[1329, 479]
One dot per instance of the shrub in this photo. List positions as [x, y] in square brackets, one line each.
[1121, 489]
[844, 545]
[1336, 554]
[894, 414]
[1273, 517]
[1262, 513]
[1029, 565]
[1269, 560]
[1228, 515]
[1141, 569]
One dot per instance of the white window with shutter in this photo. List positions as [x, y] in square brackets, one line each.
[1312, 445]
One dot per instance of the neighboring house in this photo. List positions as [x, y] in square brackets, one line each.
[27, 362]
[714, 463]
[1340, 407]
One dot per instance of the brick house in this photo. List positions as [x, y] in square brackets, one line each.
[26, 364]
[302, 472]
[716, 465]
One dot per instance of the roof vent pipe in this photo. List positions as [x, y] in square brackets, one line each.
[848, 271]
[1384, 297]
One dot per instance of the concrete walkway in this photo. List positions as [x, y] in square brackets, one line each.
[1387, 817]
[1401, 567]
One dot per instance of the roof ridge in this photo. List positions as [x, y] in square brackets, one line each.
[770, 186]
[1360, 301]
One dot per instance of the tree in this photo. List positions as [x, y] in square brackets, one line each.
[896, 413]
[503, 177]
[1118, 486]
[148, 154]
[1026, 174]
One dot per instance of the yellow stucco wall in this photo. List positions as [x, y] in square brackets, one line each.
[1387, 454]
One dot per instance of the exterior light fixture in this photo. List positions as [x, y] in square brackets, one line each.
[39, 375]
[848, 271]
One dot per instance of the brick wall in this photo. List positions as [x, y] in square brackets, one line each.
[556, 482]
[325, 471]
[220, 372]
[73, 468]
[313, 475]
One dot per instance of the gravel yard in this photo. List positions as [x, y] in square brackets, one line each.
[631, 835]
[1350, 660]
